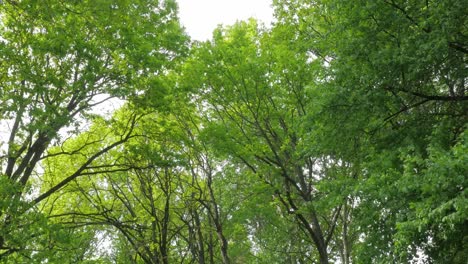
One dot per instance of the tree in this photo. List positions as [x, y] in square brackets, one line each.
[337, 135]
[140, 202]
[394, 95]
[58, 61]
[253, 86]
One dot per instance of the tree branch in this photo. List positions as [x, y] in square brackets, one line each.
[83, 167]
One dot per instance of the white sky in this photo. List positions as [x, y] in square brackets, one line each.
[200, 17]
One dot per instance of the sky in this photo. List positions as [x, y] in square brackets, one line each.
[200, 17]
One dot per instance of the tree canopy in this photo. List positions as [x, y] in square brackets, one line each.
[337, 134]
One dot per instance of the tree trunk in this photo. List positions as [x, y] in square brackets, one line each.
[346, 253]
[218, 225]
[201, 247]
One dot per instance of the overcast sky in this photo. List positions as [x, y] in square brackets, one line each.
[200, 17]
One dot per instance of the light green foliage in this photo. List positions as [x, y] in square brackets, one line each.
[134, 190]
[58, 61]
[338, 135]
[255, 86]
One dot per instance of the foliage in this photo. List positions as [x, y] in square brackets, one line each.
[337, 135]
[58, 61]
[393, 103]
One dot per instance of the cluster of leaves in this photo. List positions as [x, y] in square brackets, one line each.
[395, 98]
[336, 135]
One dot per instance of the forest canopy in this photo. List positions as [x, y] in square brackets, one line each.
[337, 134]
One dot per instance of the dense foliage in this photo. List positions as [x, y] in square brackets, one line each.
[336, 135]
